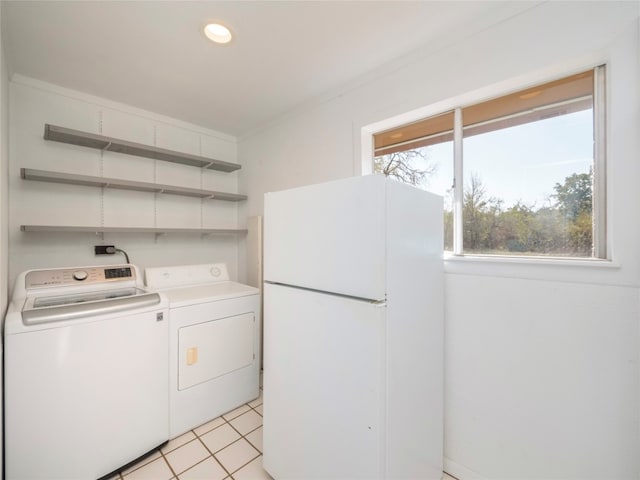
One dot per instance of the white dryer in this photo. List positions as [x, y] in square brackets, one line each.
[214, 342]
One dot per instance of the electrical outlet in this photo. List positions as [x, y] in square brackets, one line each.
[105, 249]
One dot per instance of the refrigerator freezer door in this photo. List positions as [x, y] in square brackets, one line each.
[328, 237]
[324, 386]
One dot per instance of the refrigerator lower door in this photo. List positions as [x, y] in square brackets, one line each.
[323, 386]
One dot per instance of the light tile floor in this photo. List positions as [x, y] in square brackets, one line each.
[226, 448]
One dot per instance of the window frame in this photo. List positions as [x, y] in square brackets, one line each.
[601, 234]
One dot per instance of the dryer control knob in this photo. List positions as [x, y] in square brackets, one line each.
[215, 271]
[80, 275]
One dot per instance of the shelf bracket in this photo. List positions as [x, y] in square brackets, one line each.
[204, 167]
[106, 147]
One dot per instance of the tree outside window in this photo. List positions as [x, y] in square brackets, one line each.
[529, 169]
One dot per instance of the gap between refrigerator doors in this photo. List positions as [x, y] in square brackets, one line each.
[376, 302]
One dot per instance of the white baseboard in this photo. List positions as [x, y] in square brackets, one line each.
[460, 471]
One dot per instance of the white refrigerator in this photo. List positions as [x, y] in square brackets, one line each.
[353, 331]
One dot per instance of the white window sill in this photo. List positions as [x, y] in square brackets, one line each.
[572, 270]
[529, 261]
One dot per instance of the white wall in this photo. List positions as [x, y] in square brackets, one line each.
[4, 183]
[32, 105]
[4, 209]
[541, 362]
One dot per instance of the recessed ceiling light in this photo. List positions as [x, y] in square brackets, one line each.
[217, 33]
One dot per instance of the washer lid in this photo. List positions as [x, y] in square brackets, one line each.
[79, 306]
[73, 299]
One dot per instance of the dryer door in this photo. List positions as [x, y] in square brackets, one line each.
[211, 349]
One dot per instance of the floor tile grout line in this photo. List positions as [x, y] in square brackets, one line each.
[251, 431]
[254, 408]
[182, 444]
[213, 454]
[227, 422]
[257, 410]
[239, 432]
[245, 435]
[198, 437]
[175, 475]
[242, 466]
[240, 414]
[250, 442]
[147, 460]
[246, 439]
[242, 437]
[138, 467]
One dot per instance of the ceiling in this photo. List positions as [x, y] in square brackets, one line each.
[154, 55]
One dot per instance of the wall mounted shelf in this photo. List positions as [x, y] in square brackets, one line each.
[86, 180]
[100, 142]
[85, 139]
[155, 230]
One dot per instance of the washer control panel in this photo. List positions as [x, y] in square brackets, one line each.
[60, 277]
[80, 275]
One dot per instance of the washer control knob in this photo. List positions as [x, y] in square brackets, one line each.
[215, 271]
[80, 275]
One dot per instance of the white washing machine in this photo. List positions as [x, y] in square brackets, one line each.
[214, 342]
[85, 372]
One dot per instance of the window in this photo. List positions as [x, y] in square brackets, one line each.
[522, 174]
[421, 154]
